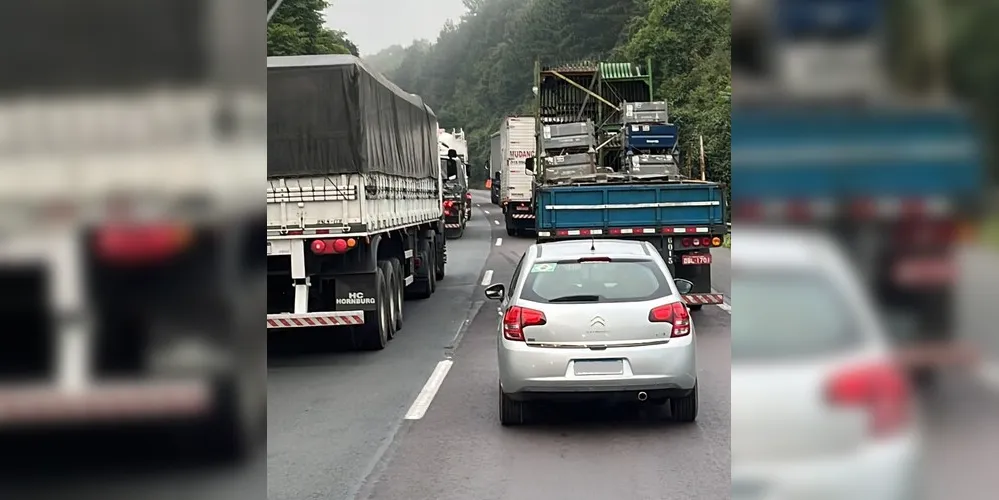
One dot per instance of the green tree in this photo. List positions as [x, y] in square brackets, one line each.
[297, 28]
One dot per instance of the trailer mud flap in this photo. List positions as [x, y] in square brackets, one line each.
[356, 292]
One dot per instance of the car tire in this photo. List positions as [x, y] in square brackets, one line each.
[511, 412]
[684, 409]
[511, 231]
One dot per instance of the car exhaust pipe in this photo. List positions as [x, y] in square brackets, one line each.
[642, 396]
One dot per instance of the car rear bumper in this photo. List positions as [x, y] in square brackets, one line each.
[886, 471]
[670, 368]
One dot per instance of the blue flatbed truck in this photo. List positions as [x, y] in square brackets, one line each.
[900, 187]
[682, 218]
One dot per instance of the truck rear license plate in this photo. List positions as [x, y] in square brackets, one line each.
[695, 260]
[523, 208]
[599, 367]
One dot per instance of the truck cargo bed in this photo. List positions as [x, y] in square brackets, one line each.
[658, 205]
[349, 204]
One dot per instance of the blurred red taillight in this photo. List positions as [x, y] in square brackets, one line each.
[675, 314]
[517, 318]
[133, 244]
[881, 390]
[688, 242]
[468, 196]
[448, 204]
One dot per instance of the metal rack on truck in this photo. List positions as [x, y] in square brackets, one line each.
[354, 198]
[606, 170]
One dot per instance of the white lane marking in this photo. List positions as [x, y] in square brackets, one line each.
[988, 374]
[426, 396]
[486, 211]
[487, 278]
[497, 222]
[499, 241]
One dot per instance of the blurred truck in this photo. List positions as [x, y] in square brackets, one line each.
[354, 199]
[897, 178]
[130, 249]
[607, 166]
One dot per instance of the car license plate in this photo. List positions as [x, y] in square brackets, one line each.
[695, 259]
[599, 367]
[521, 207]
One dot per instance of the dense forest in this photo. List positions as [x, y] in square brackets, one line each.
[480, 67]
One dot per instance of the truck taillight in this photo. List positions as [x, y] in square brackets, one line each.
[329, 247]
[135, 244]
[880, 390]
[517, 318]
[675, 314]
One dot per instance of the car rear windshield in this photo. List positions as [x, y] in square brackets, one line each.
[783, 316]
[571, 281]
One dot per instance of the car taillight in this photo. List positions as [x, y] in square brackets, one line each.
[517, 318]
[145, 243]
[881, 390]
[468, 196]
[676, 314]
[448, 204]
[716, 242]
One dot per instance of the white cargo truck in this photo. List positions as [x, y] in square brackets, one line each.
[517, 143]
[354, 198]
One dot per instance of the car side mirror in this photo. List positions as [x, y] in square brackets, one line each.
[529, 164]
[496, 291]
[683, 286]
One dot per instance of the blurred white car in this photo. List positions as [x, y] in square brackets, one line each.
[819, 409]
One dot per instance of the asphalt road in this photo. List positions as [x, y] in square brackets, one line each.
[458, 450]
[332, 413]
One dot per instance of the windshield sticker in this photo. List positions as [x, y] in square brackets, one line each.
[543, 268]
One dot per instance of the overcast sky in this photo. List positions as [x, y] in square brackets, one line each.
[376, 24]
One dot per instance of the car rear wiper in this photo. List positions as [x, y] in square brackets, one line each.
[577, 298]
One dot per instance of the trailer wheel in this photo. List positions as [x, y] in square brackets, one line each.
[374, 334]
[432, 272]
[421, 288]
[400, 286]
[391, 292]
[440, 263]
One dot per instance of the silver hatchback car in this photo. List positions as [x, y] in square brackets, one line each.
[595, 320]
